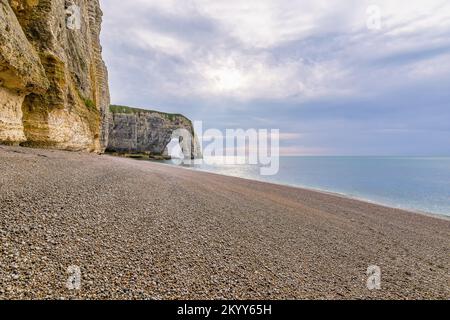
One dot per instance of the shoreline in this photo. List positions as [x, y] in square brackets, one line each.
[306, 188]
[142, 230]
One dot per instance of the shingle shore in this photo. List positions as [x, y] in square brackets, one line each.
[141, 230]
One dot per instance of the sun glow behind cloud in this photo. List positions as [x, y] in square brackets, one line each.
[244, 63]
[225, 79]
[306, 66]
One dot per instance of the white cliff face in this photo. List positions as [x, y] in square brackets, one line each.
[21, 73]
[148, 132]
[54, 84]
[53, 81]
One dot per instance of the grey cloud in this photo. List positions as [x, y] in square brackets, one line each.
[375, 104]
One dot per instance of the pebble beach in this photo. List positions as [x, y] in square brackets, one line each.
[143, 230]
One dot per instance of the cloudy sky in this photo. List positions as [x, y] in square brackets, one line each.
[334, 78]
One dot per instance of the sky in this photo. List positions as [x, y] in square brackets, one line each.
[349, 77]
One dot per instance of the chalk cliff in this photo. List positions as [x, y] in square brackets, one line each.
[53, 81]
[149, 132]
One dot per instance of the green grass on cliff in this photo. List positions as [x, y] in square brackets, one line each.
[90, 104]
[130, 110]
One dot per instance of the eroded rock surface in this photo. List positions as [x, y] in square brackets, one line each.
[53, 81]
[149, 132]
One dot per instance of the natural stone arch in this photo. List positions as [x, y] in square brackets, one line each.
[138, 131]
[185, 140]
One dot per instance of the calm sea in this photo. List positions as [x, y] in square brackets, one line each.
[419, 184]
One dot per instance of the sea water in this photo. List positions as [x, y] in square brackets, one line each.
[413, 183]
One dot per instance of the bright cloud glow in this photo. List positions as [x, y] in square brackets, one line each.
[243, 63]
[298, 65]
